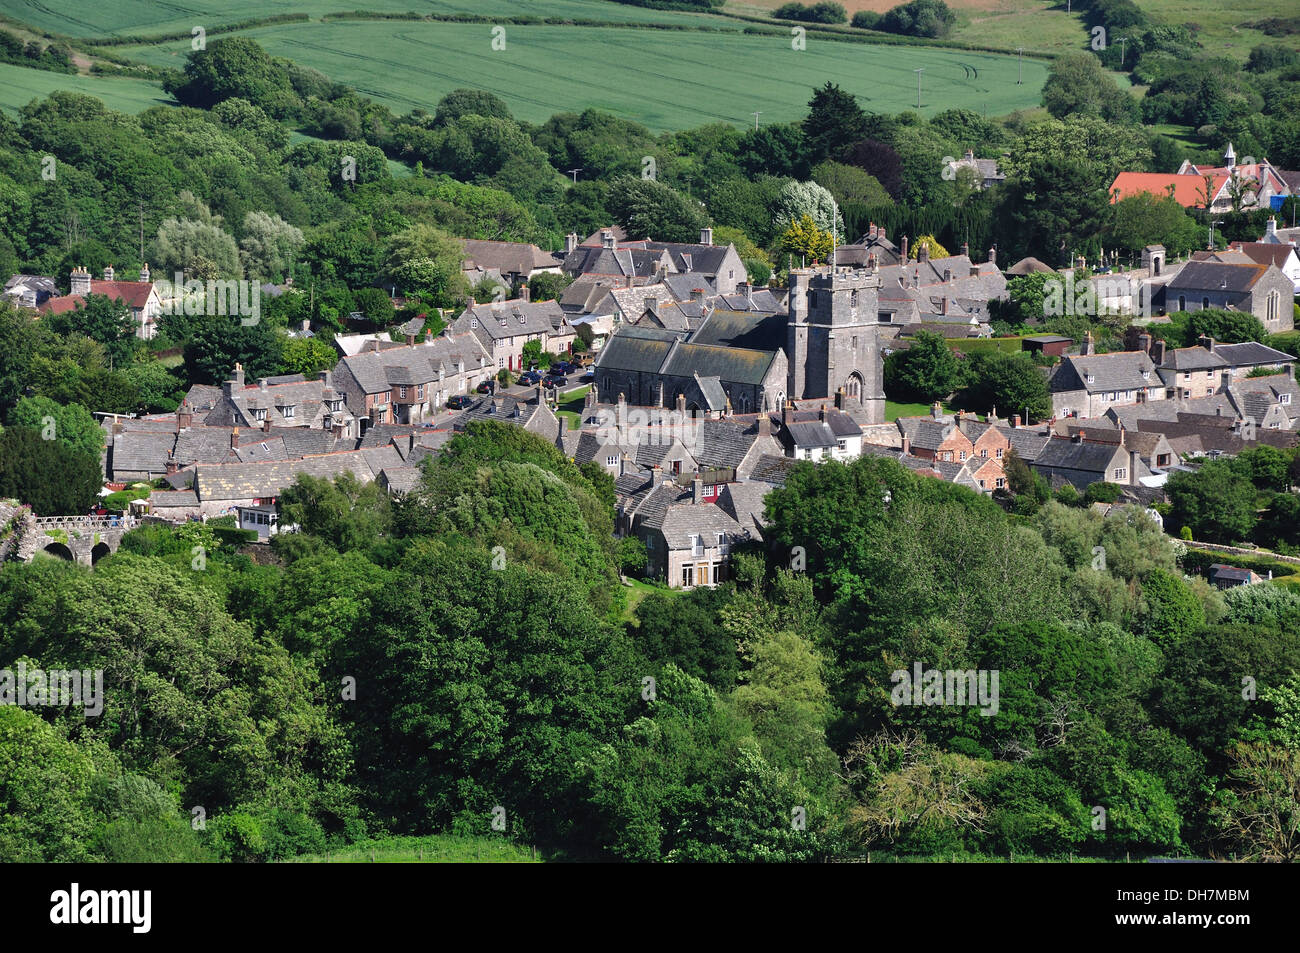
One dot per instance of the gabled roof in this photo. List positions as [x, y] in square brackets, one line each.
[1216, 276]
[1121, 370]
[1251, 352]
[1066, 454]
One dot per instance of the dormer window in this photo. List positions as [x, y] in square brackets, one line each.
[287, 411]
[1285, 398]
[259, 414]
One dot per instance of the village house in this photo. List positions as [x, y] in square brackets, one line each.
[411, 383]
[609, 254]
[513, 264]
[1255, 183]
[980, 446]
[1082, 462]
[984, 172]
[1088, 384]
[504, 327]
[141, 297]
[30, 291]
[1280, 256]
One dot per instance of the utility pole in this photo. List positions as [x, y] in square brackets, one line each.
[918, 71]
[574, 173]
[1020, 52]
[756, 114]
[1122, 40]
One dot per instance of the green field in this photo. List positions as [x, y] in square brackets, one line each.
[150, 17]
[666, 80]
[19, 86]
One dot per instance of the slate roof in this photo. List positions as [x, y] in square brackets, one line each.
[1121, 370]
[497, 320]
[743, 502]
[731, 364]
[773, 469]
[1084, 456]
[506, 257]
[686, 256]
[678, 518]
[1215, 276]
[1193, 359]
[1251, 352]
[379, 371]
[239, 481]
[744, 329]
[165, 499]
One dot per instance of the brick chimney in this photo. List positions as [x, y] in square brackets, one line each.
[234, 439]
[1015, 421]
[183, 417]
[1079, 436]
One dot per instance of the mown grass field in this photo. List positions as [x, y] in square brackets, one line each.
[19, 86]
[666, 80]
[435, 849]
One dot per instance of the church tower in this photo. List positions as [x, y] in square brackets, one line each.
[833, 340]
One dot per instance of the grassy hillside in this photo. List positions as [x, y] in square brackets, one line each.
[1044, 24]
[19, 86]
[667, 80]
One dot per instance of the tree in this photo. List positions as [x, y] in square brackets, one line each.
[234, 67]
[158, 388]
[881, 160]
[849, 183]
[1011, 382]
[834, 121]
[1172, 610]
[1257, 807]
[932, 247]
[930, 18]
[70, 424]
[1077, 83]
[925, 372]
[1216, 502]
[43, 787]
[425, 262]
[547, 286]
[269, 247]
[202, 250]
[651, 208]
[101, 319]
[799, 200]
[1145, 219]
[306, 356]
[1229, 327]
[222, 342]
[52, 478]
[469, 102]
[804, 238]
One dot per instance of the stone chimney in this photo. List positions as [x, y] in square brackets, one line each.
[993, 255]
[1085, 348]
[1206, 342]
[947, 275]
[428, 337]
[1134, 462]
[266, 424]
[171, 464]
[1158, 352]
[109, 274]
[589, 404]
[706, 236]
[183, 417]
[656, 475]
[236, 381]
[410, 340]
[907, 445]
[765, 423]
[785, 412]
[570, 243]
[681, 405]
[922, 253]
[871, 231]
[80, 281]
[1144, 342]
[880, 233]
[697, 294]
[1290, 371]
[524, 294]
[697, 488]
[234, 439]
[144, 272]
[904, 248]
[1079, 437]
[965, 249]
[607, 238]
[936, 410]
[1270, 228]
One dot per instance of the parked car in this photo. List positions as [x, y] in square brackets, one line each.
[555, 380]
[459, 401]
[530, 378]
[484, 387]
[562, 368]
[589, 376]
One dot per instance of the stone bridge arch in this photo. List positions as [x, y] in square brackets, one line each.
[83, 539]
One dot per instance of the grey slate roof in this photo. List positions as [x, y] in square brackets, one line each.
[772, 469]
[1122, 370]
[1062, 454]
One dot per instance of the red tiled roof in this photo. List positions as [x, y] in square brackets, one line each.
[1188, 190]
[134, 294]
[1264, 253]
